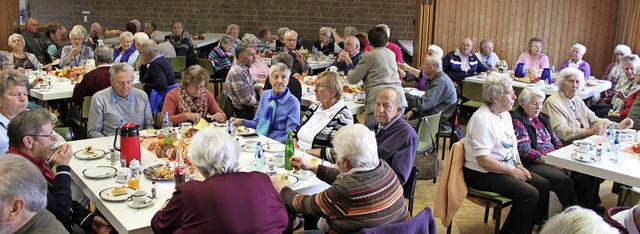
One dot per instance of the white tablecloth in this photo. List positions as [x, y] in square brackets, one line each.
[116, 40]
[586, 92]
[62, 89]
[128, 220]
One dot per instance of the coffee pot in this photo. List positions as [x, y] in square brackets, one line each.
[521, 70]
[129, 142]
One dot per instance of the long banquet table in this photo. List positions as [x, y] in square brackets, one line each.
[129, 220]
[586, 92]
[61, 88]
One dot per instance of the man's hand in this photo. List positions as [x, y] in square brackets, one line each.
[100, 225]
[626, 123]
[62, 155]
[300, 58]
[408, 115]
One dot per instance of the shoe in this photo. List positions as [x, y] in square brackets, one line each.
[299, 225]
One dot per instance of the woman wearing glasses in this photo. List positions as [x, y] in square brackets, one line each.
[191, 100]
[571, 119]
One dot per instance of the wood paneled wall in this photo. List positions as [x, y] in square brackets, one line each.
[559, 23]
[10, 12]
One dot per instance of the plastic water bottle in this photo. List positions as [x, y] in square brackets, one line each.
[238, 145]
[615, 150]
[166, 124]
[258, 161]
[230, 127]
[315, 53]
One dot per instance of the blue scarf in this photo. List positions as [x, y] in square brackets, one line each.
[271, 111]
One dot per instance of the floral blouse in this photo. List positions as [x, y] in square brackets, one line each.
[545, 145]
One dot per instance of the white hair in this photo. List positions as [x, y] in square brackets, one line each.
[136, 23]
[125, 34]
[213, 152]
[283, 30]
[157, 36]
[568, 72]
[386, 29]
[120, 67]
[250, 39]
[350, 30]
[436, 50]
[325, 31]
[528, 92]
[76, 32]
[141, 37]
[357, 144]
[623, 49]
[494, 86]
[82, 29]
[18, 36]
[231, 27]
[576, 219]
[19, 178]
[96, 26]
[581, 48]
[280, 67]
[633, 59]
[434, 61]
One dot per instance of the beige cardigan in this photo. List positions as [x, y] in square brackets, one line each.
[452, 189]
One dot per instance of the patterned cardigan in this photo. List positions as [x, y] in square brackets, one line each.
[324, 137]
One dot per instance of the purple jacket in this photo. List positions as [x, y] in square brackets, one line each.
[397, 144]
[584, 67]
[125, 56]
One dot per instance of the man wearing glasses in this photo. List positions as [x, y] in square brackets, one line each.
[31, 136]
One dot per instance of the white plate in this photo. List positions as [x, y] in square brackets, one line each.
[99, 172]
[251, 130]
[144, 133]
[303, 177]
[585, 158]
[358, 101]
[247, 148]
[148, 202]
[409, 89]
[582, 151]
[291, 180]
[106, 195]
[97, 153]
[273, 147]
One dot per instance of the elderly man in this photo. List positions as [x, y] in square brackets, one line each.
[149, 28]
[158, 75]
[239, 85]
[31, 136]
[348, 31]
[94, 81]
[461, 63]
[364, 190]
[300, 64]
[350, 56]
[118, 102]
[440, 95]
[397, 141]
[164, 47]
[182, 43]
[23, 198]
[34, 41]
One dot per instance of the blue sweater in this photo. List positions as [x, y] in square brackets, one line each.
[342, 66]
[287, 115]
[451, 65]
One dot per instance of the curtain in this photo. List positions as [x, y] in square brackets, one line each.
[628, 31]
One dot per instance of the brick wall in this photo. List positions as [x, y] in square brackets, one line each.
[304, 16]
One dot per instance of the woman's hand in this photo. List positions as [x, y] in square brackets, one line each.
[193, 117]
[526, 172]
[37, 81]
[237, 122]
[519, 174]
[277, 183]
[403, 66]
[624, 124]
[612, 113]
[75, 50]
[218, 117]
[300, 163]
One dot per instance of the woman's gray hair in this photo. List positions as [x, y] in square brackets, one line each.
[104, 54]
[231, 27]
[528, 92]
[350, 30]
[250, 39]
[281, 67]
[96, 26]
[633, 59]
[11, 78]
[76, 33]
[326, 31]
[136, 23]
[285, 58]
[435, 61]
[386, 29]
[149, 46]
[484, 42]
[18, 36]
[623, 49]
[19, 178]
[576, 219]
[81, 29]
[213, 152]
[333, 83]
[494, 86]
[226, 39]
[125, 34]
[120, 67]
[141, 37]
[436, 50]
[356, 144]
[568, 72]
[581, 48]
[157, 36]
[282, 31]
[27, 123]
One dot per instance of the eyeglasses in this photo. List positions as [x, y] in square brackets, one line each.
[52, 136]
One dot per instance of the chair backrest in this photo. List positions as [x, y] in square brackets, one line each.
[225, 104]
[517, 91]
[429, 127]
[409, 187]
[178, 63]
[156, 99]
[86, 107]
[207, 65]
[423, 223]
[472, 91]
[64, 132]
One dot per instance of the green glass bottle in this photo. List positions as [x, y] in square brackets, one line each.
[288, 151]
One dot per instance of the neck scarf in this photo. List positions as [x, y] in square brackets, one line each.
[271, 111]
[41, 164]
[188, 104]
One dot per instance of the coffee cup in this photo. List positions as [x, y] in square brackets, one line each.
[305, 173]
[139, 197]
[279, 159]
[584, 146]
[123, 175]
[250, 144]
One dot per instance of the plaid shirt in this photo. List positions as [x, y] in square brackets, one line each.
[239, 87]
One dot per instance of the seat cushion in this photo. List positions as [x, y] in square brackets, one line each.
[487, 194]
[473, 104]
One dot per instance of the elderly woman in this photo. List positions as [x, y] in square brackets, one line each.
[486, 56]
[570, 117]
[226, 199]
[165, 47]
[624, 88]
[321, 121]
[614, 71]
[191, 100]
[294, 84]
[576, 219]
[138, 39]
[259, 69]
[408, 73]
[219, 56]
[364, 192]
[264, 39]
[75, 54]
[575, 60]
[20, 58]
[280, 38]
[492, 162]
[14, 98]
[126, 53]
[278, 111]
[535, 139]
[534, 58]
[631, 100]
[324, 45]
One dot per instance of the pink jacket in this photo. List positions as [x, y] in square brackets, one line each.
[452, 189]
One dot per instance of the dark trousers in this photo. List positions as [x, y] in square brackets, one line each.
[246, 113]
[601, 110]
[529, 197]
[560, 183]
[586, 188]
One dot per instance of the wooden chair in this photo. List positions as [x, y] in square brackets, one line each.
[409, 187]
[450, 134]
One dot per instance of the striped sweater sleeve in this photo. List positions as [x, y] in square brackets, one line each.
[333, 203]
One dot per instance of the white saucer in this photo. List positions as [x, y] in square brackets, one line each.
[148, 202]
[582, 151]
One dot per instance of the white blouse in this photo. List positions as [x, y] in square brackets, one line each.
[316, 123]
